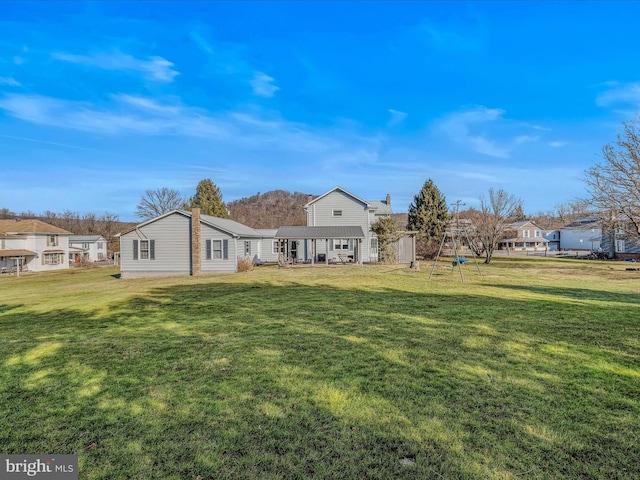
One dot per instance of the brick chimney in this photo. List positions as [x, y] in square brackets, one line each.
[309, 198]
[388, 200]
[196, 257]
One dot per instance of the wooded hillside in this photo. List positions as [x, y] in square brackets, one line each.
[272, 209]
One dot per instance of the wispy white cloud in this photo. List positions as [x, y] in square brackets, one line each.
[154, 68]
[449, 37]
[263, 85]
[130, 115]
[43, 142]
[487, 131]
[479, 176]
[147, 104]
[557, 144]
[9, 81]
[396, 117]
[458, 126]
[540, 127]
[619, 93]
[520, 139]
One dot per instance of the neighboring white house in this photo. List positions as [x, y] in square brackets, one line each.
[32, 245]
[188, 243]
[340, 208]
[92, 248]
[524, 236]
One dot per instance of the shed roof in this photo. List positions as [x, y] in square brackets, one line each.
[301, 233]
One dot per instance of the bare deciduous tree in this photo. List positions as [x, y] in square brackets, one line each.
[493, 218]
[614, 183]
[158, 202]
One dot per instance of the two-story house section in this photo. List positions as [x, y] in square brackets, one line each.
[32, 245]
[340, 208]
[92, 248]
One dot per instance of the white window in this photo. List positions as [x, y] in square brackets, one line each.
[85, 246]
[374, 244]
[53, 258]
[620, 246]
[525, 233]
[341, 244]
[337, 213]
[217, 249]
[144, 249]
[52, 241]
[538, 233]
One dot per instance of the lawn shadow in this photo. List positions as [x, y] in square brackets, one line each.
[292, 381]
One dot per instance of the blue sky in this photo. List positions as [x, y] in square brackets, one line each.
[102, 101]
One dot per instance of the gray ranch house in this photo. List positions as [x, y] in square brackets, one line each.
[188, 243]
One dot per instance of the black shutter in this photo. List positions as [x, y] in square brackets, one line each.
[208, 248]
[135, 249]
[225, 249]
[152, 249]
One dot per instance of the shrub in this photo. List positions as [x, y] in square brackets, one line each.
[245, 264]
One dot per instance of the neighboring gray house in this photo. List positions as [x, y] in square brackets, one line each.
[582, 234]
[340, 208]
[92, 248]
[188, 243]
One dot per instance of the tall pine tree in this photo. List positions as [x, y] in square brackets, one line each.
[428, 214]
[209, 199]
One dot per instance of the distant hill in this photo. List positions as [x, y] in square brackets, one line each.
[272, 209]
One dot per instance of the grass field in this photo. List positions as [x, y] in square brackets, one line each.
[530, 371]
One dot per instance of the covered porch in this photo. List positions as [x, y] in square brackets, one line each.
[15, 261]
[320, 245]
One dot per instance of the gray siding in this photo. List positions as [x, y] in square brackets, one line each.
[354, 213]
[172, 248]
[266, 253]
[218, 265]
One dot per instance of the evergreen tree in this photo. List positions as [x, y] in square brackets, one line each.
[517, 215]
[388, 233]
[428, 214]
[208, 199]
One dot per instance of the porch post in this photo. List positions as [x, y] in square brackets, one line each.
[326, 251]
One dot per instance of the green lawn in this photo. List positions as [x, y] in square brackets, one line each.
[530, 371]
